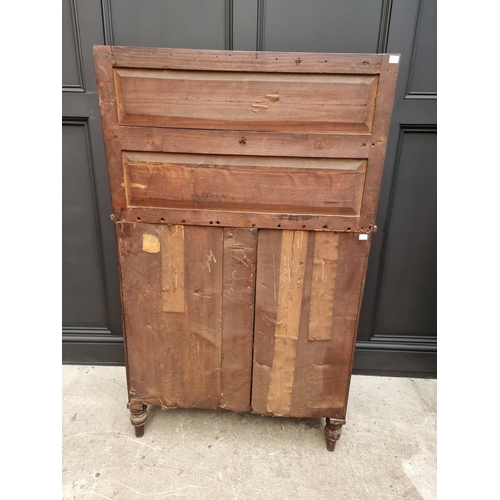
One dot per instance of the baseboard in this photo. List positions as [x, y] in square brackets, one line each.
[395, 362]
[87, 348]
[369, 358]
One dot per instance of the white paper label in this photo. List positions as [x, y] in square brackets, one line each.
[363, 236]
[393, 59]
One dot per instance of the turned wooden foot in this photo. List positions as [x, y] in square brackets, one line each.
[138, 417]
[333, 430]
[139, 431]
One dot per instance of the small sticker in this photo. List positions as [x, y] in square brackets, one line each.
[393, 59]
[363, 236]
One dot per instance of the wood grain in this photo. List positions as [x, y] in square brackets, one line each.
[360, 87]
[172, 275]
[298, 164]
[109, 117]
[321, 370]
[222, 60]
[291, 272]
[238, 286]
[312, 222]
[244, 184]
[225, 142]
[246, 101]
[378, 142]
[323, 285]
[234, 174]
[173, 358]
[266, 309]
[201, 365]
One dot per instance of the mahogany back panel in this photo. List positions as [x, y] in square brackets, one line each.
[242, 139]
[244, 189]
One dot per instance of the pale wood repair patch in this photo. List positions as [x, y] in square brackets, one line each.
[172, 265]
[323, 284]
[291, 282]
[150, 243]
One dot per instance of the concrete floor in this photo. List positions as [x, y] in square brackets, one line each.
[387, 450]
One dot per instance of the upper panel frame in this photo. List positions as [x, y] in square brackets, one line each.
[119, 138]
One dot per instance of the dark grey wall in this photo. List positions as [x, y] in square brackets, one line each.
[408, 281]
[397, 331]
[177, 23]
[84, 300]
[322, 25]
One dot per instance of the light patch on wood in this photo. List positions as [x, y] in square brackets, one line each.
[323, 284]
[172, 264]
[149, 159]
[261, 105]
[210, 258]
[286, 333]
[150, 243]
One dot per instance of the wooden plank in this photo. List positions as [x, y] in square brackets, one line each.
[201, 160]
[246, 101]
[323, 285]
[109, 115]
[310, 222]
[224, 142]
[244, 184]
[221, 60]
[221, 67]
[143, 319]
[173, 269]
[291, 272]
[201, 365]
[378, 142]
[188, 344]
[238, 287]
[235, 143]
[322, 369]
[266, 308]
[173, 358]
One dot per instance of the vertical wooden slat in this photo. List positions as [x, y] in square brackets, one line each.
[141, 298]
[318, 384]
[266, 309]
[323, 285]
[292, 262]
[174, 358]
[323, 368]
[173, 268]
[203, 282]
[380, 131]
[238, 281]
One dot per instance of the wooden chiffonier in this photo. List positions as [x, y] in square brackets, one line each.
[244, 188]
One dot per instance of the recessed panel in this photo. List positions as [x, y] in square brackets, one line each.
[83, 294]
[423, 74]
[244, 183]
[305, 103]
[71, 76]
[408, 283]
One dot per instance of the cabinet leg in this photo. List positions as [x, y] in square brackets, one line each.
[138, 417]
[333, 430]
